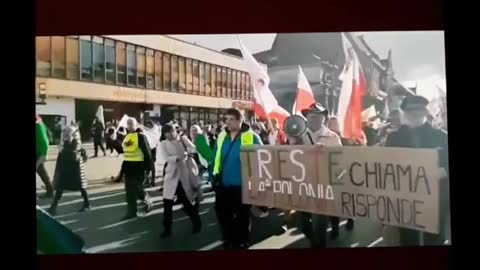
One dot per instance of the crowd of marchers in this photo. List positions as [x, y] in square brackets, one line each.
[214, 150]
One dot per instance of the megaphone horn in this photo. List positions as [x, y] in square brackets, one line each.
[295, 126]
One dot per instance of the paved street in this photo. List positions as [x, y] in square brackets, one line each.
[104, 232]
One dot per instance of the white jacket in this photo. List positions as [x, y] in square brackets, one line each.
[322, 136]
[170, 151]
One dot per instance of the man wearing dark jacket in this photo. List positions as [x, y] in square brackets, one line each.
[97, 131]
[418, 133]
[137, 160]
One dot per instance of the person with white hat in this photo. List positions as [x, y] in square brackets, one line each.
[315, 226]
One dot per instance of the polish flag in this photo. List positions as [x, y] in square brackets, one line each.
[438, 109]
[351, 96]
[305, 96]
[265, 104]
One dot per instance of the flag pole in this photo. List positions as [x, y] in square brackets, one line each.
[254, 88]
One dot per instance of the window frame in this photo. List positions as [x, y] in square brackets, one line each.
[174, 59]
[105, 41]
[149, 54]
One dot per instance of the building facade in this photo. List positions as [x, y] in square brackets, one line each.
[322, 59]
[157, 75]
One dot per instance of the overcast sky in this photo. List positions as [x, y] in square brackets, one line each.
[417, 56]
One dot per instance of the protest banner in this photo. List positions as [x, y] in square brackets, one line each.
[393, 186]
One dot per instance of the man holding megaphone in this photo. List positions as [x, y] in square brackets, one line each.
[312, 131]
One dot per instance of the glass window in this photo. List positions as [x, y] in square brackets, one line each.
[184, 117]
[110, 60]
[243, 85]
[181, 75]
[195, 77]
[174, 73]
[224, 82]
[141, 67]
[212, 116]
[239, 85]
[188, 70]
[194, 118]
[73, 71]
[202, 119]
[131, 65]
[201, 67]
[58, 56]
[158, 70]
[150, 69]
[98, 59]
[121, 63]
[213, 82]
[86, 58]
[229, 83]
[44, 56]
[249, 88]
[166, 72]
[208, 80]
[219, 81]
[234, 84]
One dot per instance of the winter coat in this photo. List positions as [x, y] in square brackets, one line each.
[430, 138]
[70, 168]
[41, 139]
[175, 170]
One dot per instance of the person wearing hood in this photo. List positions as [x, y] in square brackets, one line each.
[418, 133]
[314, 226]
[233, 216]
[70, 169]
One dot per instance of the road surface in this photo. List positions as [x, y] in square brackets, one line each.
[104, 232]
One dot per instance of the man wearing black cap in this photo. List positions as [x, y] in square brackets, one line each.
[418, 133]
[315, 226]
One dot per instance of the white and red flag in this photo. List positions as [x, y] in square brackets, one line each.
[305, 96]
[438, 109]
[351, 95]
[265, 104]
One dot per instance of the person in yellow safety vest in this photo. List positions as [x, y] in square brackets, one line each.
[233, 216]
[137, 160]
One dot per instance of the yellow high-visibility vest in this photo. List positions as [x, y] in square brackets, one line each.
[131, 150]
[246, 138]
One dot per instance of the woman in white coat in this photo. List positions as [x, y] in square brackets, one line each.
[174, 149]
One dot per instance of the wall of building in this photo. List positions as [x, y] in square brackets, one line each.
[58, 106]
[115, 93]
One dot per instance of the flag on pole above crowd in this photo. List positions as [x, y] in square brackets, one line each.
[305, 96]
[351, 95]
[438, 109]
[152, 134]
[99, 115]
[265, 104]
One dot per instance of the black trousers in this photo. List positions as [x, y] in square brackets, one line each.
[336, 223]
[154, 170]
[233, 217]
[134, 176]
[109, 145]
[98, 143]
[190, 209]
[59, 193]
[315, 229]
[42, 172]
